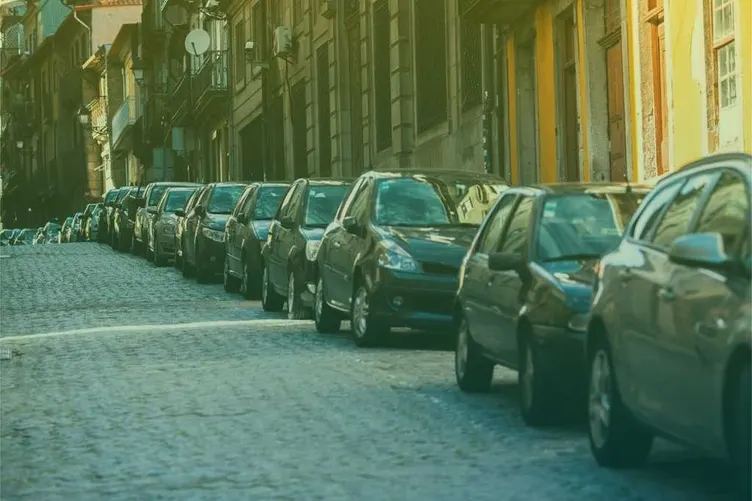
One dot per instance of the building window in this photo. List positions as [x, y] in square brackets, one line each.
[299, 129]
[724, 48]
[259, 38]
[382, 75]
[239, 52]
[470, 42]
[430, 63]
[324, 109]
[297, 11]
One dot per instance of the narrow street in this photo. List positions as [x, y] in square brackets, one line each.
[120, 380]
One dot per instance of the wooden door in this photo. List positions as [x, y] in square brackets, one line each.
[616, 113]
[571, 122]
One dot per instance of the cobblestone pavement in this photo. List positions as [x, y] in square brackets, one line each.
[260, 410]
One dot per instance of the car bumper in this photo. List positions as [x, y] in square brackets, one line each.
[415, 300]
[211, 255]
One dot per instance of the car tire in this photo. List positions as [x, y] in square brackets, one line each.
[473, 371]
[739, 440]
[617, 439]
[159, 259]
[366, 331]
[538, 403]
[230, 283]
[270, 300]
[296, 310]
[327, 319]
[250, 283]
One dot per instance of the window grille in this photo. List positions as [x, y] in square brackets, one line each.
[430, 63]
[382, 75]
[324, 124]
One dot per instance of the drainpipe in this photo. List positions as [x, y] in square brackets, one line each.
[86, 27]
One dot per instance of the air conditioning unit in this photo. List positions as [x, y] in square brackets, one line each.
[282, 41]
[328, 8]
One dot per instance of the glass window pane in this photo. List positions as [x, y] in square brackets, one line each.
[492, 235]
[731, 57]
[675, 222]
[516, 237]
[722, 62]
[649, 217]
[724, 92]
[732, 90]
[726, 211]
[728, 19]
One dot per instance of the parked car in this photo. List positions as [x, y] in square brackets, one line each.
[142, 226]
[203, 246]
[85, 220]
[51, 232]
[74, 231]
[670, 334]
[125, 217]
[104, 234]
[39, 236]
[62, 236]
[289, 254]
[525, 289]
[25, 237]
[115, 216]
[91, 229]
[5, 237]
[245, 234]
[395, 248]
[180, 218]
[162, 239]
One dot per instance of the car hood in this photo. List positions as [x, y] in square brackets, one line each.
[261, 227]
[216, 221]
[440, 244]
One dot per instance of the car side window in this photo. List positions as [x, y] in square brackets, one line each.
[727, 211]
[489, 242]
[515, 238]
[352, 193]
[204, 197]
[286, 201]
[359, 206]
[250, 202]
[292, 203]
[677, 218]
[244, 204]
[649, 217]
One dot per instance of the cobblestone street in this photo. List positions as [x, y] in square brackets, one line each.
[127, 381]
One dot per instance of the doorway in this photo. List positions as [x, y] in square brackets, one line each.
[570, 122]
[612, 43]
[252, 142]
[527, 112]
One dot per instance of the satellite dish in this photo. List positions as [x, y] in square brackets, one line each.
[197, 42]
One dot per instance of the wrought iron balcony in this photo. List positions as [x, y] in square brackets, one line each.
[210, 84]
[501, 12]
[98, 110]
[180, 99]
[123, 120]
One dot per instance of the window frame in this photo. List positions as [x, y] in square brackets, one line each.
[483, 232]
[426, 120]
[531, 227]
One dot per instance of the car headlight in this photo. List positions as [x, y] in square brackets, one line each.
[216, 235]
[394, 257]
[579, 322]
[312, 249]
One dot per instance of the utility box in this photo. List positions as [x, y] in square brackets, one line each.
[282, 41]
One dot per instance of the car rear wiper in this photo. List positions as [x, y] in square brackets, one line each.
[572, 257]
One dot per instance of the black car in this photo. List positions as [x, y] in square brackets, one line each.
[180, 217]
[162, 238]
[246, 233]
[525, 290]
[392, 254]
[124, 217]
[104, 234]
[147, 206]
[203, 239]
[289, 254]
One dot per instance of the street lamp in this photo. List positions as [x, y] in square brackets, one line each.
[19, 145]
[138, 73]
[84, 118]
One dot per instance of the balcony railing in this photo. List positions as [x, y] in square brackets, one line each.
[212, 76]
[123, 118]
[98, 112]
[180, 96]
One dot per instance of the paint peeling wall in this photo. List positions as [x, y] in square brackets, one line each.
[647, 96]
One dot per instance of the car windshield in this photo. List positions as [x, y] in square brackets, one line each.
[123, 193]
[323, 202]
[176, 199]
[432, 201]
[156, 195]
[28, 235]
[268, 201]
[223, 198]
[111, 195]
[585, 225]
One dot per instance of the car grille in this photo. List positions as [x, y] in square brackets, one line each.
[439, 269]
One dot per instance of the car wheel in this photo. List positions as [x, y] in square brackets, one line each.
[365, 329]
[537, 400]
[739, 441]
[159, 259]
[474, 372]
[327, 319]
[270, 300]
[295, 308]
[617, 440]
[231, 283]
[250, 284]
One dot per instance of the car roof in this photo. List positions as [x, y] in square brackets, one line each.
[573, 188]
[709, 162]
[331, 181]
[174, 183]
[385, 173]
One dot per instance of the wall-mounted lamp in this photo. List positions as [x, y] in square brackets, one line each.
[19, 145]
[84, 118]
[138, 73]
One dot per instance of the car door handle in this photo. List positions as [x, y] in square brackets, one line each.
[337, 245]
[625, 274]
[666, 294]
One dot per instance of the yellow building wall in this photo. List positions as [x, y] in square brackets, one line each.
[582, 82]
[545, 70]
[745, 43]
[512, 110]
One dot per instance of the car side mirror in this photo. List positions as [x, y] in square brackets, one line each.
[180, 213]
[287, 222]
[351, 225]
[504, 261]
[151, 210]
[705, 250]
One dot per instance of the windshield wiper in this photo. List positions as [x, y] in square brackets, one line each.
[572, 257]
